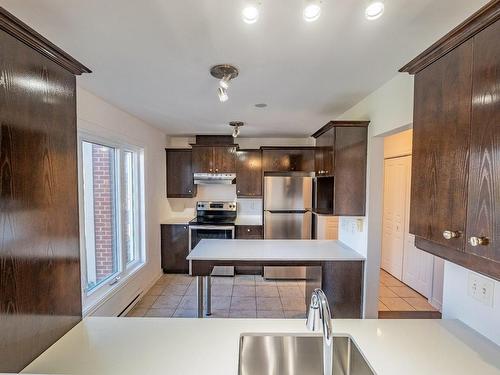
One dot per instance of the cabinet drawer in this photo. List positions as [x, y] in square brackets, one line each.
[249, 232]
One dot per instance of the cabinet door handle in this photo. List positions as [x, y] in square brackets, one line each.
[449, 234]
[189, 191]
[248, 230]
[238, 191]
[210, 169]
[216, 169]
[476, 241]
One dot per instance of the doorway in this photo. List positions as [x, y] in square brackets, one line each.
[410, 279]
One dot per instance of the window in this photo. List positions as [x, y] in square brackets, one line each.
[111, 199]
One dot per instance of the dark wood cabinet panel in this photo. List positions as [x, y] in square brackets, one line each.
[203, 159]
[214, 159]
[289, 159]
[174, 248]
[440, 160]
[350, 171]
[456, 145]
[40, 286]
[249, 173]
[483, 212]
[180, 174]
[324, 153]
[249, 232]
[225, 159]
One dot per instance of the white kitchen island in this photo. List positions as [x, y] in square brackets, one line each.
[167, 346]
[331, 265]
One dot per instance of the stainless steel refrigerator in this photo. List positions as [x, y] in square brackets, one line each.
[287, 215]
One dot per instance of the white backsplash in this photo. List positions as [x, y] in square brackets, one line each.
[186, 206]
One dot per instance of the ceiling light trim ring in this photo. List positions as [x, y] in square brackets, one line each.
[221, 71]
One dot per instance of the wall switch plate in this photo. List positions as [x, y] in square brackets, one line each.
[481, 289]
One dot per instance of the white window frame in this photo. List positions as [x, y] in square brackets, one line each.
[93, 297]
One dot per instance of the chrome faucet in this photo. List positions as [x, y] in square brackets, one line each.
[319, 319]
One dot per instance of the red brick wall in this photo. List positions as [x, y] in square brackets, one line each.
[102, 159]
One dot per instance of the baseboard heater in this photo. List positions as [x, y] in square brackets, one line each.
[130, 304]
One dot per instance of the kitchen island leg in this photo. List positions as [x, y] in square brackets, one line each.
[199, 293]
[208, 282]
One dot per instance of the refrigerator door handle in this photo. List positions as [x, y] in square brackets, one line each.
[287, 211]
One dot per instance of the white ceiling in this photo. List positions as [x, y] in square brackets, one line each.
[152, 57]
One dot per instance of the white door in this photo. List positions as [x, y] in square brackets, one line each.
[418, 265]
[396, 173]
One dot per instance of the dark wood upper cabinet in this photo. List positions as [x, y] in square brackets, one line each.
[40, 286]
[455, 200]
[249, 173]
[174, 248]
[203, 159]
[483, 207]
[349, 193]
[225, 159]
[341, 168]
[180, 174]
[288, 159]
[324, 153]
[214, 159]
[440, 159]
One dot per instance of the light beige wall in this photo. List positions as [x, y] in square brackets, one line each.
[399, 144]
[96, 116]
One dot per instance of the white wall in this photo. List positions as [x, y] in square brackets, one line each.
[390, 109]
[457, 304]
[96, 116]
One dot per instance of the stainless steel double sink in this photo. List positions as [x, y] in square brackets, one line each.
[274, 354]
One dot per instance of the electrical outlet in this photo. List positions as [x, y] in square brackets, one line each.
[481, 289]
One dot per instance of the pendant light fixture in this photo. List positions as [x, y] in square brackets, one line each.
[224, 73]
[374, 9]
[312, 10]
[236, 125]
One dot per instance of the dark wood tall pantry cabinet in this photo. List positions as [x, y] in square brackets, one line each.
[40, 290]
[455, 200]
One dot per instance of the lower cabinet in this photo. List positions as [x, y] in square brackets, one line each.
[174, 248]
[249, 232]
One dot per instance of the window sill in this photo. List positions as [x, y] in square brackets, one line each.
[104, 293]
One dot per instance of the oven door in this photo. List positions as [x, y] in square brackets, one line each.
[200, 232]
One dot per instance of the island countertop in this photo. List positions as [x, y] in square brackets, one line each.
[122, 346]
[274, 250]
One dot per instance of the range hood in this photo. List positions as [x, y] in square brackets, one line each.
[214, 178]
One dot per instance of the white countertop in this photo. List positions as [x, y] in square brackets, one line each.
[181, 220]
[289, 250]
[210, 346]
[248, 220]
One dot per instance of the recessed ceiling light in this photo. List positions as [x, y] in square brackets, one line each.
[374, 9]
[261, 105]
[312, 10]
[250, 12]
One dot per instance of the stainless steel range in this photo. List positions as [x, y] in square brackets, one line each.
[213, 220]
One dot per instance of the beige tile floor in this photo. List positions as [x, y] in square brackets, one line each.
[242, 296]
[397, 296]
